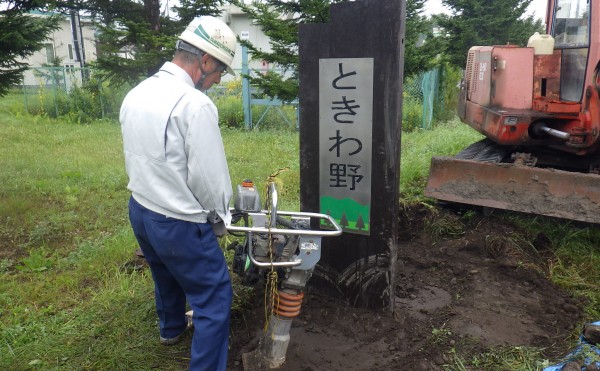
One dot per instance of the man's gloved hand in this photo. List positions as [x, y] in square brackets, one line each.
[235, 217]
[219, 228]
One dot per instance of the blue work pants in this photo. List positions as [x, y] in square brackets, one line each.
[187, 263]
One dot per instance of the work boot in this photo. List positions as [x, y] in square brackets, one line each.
[139, 253]
[177, 339]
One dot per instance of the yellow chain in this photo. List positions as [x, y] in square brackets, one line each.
[271, 283]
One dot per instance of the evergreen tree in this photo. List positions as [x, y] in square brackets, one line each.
[279, 21]
[135, 38]
[421, 48]
[485, 22]
[21, 35]
[187, 10]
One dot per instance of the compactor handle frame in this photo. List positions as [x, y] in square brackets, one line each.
[286, 231]
[306, 232]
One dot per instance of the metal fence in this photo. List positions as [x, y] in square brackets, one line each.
[428, 89]
[58, 91]
[274, 105]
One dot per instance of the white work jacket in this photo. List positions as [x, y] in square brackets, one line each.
[174, 153]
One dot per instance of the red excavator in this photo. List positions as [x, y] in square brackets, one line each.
[539, 109]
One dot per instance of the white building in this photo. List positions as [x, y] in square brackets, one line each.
[62, 47]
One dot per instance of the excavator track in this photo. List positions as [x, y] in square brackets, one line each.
[477, 177]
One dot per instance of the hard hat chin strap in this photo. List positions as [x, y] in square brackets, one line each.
[182, 45]
[202, 76]
[201, 81]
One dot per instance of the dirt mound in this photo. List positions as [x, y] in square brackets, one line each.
[480, 288]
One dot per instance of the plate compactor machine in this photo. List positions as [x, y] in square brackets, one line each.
[279, 251]
[539, 109]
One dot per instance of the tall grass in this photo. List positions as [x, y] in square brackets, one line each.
[80, 103]
[575, 255]
[419, 146]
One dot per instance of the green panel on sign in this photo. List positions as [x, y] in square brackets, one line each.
[349, 214]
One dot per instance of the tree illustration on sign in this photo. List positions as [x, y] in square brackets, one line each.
[360, 224]
[344, 221]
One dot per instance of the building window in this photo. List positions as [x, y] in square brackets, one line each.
[49, 53]
[70, 46]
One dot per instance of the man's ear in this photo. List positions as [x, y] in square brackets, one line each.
[205, 59]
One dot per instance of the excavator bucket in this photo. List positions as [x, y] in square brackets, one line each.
[521, 188]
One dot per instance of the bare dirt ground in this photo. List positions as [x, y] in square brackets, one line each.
[469, 292]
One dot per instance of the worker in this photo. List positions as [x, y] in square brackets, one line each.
[181, 189]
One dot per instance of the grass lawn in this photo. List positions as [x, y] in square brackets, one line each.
[71, 296]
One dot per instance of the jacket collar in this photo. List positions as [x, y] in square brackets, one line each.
[177, 72]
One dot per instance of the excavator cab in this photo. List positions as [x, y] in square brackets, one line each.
[539, 109]
[571, 32]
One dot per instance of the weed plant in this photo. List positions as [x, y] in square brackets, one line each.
[79, 104]
[412, 113]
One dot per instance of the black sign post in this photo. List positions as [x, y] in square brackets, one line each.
[350, 125]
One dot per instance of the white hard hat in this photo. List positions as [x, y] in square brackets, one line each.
[212, 36]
